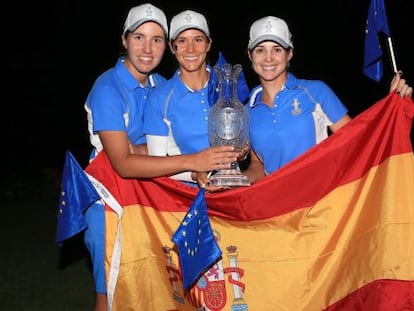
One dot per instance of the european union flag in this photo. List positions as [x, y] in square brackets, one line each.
[197, 247]
[76, 195]
[243, 90]
[376, 22]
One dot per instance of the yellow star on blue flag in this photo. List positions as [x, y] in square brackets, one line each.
[197, 247]
[76, 195]
[376, 22]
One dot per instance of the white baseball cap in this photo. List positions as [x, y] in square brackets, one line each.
[145, 13]
[188, 19]
[270, 28]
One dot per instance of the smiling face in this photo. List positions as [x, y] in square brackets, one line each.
[145, 48]
[190, 48]
[270, 60]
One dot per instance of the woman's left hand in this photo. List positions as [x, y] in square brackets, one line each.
[400, 84]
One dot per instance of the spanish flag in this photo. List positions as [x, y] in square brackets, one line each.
[332, 230]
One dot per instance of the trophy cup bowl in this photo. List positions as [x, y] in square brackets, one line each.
[228, 124]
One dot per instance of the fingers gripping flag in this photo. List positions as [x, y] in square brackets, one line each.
[376, 22]
[76, 195]
[197, 247]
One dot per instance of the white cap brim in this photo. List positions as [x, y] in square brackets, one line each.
[269, 37]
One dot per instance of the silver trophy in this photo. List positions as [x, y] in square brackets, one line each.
[228, 124]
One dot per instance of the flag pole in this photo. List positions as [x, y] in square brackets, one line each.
[391, 48]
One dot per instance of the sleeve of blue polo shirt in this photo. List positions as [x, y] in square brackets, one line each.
[154, 128]
[331, 104]
[107, 110]
[154, 114]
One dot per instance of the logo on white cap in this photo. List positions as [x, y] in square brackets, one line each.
[270, 28]
[145, 13]
[188, 20]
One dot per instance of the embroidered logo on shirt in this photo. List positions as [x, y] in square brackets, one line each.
[296, 110]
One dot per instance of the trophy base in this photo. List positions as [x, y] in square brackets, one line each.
[229, 178]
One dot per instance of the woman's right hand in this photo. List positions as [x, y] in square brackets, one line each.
[214, 158]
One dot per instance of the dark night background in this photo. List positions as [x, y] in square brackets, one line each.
[54, 51]
[58, 49]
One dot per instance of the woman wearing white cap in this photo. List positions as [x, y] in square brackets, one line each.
[115, 107]
[176, 115]
[295, 113]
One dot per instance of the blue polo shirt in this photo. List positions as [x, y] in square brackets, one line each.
[187, 111]
[298, 120]
[116, 103]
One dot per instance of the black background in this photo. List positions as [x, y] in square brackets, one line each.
[53, 52]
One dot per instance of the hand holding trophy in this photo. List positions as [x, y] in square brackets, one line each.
[228, 124]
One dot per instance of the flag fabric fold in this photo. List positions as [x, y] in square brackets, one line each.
[332, 230]
[197, 247]
[76, 195]
[377, 22]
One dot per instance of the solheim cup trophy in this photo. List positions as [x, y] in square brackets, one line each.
[228, 124]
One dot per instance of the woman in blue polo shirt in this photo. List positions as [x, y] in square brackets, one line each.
[115, 107]
[176, 114]
[288, 115]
